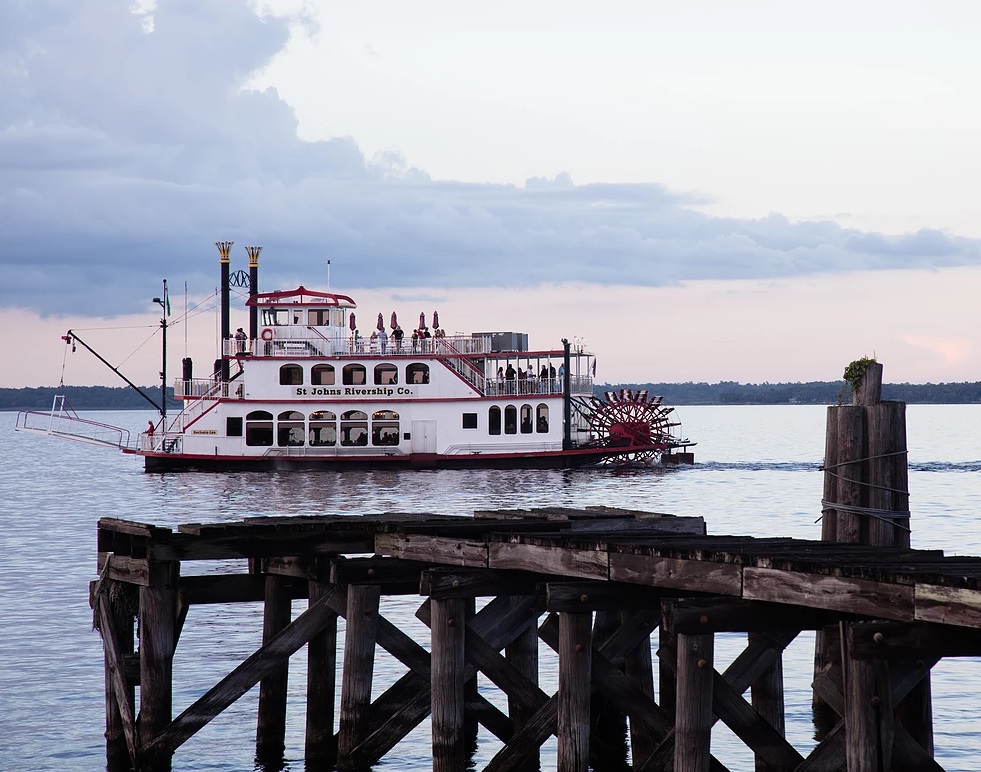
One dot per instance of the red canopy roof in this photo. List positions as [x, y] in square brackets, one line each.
[300, 295]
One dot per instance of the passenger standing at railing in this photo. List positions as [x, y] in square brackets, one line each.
[373, 342]
[426, 339]
[415, 341]
[509, 373]
[382, 341]
[398, 333]
[240, 339]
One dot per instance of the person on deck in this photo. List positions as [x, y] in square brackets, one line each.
[240, 338]
[382, 341]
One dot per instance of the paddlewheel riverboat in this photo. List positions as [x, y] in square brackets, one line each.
[305, 388]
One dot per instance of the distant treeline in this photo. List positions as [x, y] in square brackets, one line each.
[84, 398]
[724, 393]
[811, 393]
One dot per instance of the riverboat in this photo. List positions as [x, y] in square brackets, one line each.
[304, 388]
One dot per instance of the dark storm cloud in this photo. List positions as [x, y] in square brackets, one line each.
[124, 153]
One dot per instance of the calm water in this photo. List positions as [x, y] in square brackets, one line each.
[757, 473]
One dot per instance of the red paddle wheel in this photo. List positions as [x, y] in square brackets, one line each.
[631, 420]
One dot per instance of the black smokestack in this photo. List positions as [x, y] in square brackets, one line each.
[224, 250]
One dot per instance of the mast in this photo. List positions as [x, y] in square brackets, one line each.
[164, 304]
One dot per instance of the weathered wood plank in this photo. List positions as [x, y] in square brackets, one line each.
[689, 575]
[947, 605]
[549, 560]
[895, 640]
[599, 596]
[433, 549]
[477, 582]
[854, 596]
[697, 615]
[125, 569]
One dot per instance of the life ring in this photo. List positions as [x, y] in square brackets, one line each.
[267, 334]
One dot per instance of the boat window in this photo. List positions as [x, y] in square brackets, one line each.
[385, 427]
[322, 375]
[541, 423]
[323, 428]
[469, 420]
[259, 428]
[386, 373]
[233, 426]
[354, 375]
[354, 427]
[318, 317]
[289, 429]
[417, 373]
[290, 375]
[526, 425]
[510, 420]
[275, 316]
[494, 420]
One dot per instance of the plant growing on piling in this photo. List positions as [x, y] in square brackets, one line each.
[854, 374]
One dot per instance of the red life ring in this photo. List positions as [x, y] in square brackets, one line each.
[267, 334]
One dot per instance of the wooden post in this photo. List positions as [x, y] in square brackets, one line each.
[693, 717]
[640, 670]
[359, 663]
[575, 669]
[767, 700]
[868, 711]
[270, 741]
[321, 745]
[667, 686]
[448, 636]
[117, 751]
[608, 741]
[522, 652]
[158, 616]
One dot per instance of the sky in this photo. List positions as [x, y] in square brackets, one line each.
[708, 191]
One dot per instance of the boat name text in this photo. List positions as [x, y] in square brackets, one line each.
[353, 391]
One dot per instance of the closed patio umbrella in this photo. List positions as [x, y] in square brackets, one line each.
[381, 322]
[351, 323]
[435, 318]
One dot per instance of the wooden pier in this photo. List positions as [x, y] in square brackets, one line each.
[593, 584]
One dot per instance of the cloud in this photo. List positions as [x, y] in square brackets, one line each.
[129, 142]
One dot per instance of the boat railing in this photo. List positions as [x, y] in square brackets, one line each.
[63, 422]
[461, 365]
[518, 387]
[161, 442]
[202, 394]
[285, 342]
